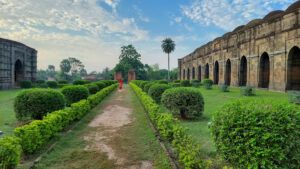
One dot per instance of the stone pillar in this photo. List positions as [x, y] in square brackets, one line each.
[131, 75]
[117, 75]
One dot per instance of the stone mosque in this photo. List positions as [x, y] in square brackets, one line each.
[264, 53]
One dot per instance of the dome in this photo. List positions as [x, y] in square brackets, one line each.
[293, 7]
[272, 15]
[238, 28]
[253, 23]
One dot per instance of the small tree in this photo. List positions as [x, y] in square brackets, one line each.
[168, 46]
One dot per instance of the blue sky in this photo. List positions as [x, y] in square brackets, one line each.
[94, 30]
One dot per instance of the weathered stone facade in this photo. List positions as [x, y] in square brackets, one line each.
[264, 53]
[17, 62]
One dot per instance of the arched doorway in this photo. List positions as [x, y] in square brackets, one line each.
[293, 69]
[199, 73]
[18, 73]
[228, 73]
[183, 74]
[193, 73]
[243, 71]
[188, 74]
[216, 73]
[264, 71]
[206, 71]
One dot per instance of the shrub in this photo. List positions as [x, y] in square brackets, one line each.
[93, 88]
[40, 81]
[142, 84]
[35, 103]
[63, 85]
[185, 83]
[186, 101]
[74, 93]
[207, 83]
[10, 152]
[176, 81]
[157, 90]
[162, 81]
[254, 133]
[25, 84]
[294, 97]
[63, 82]
[81, 82]
[147, 86]
[224, 88]
[100, 85]
[247, 91]
[99, 96]
[175, 84]
[195, 83]
[52, 84]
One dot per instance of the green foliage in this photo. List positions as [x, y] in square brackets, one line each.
[162, 81]
[142, 84]
[81, 82]
[188, 102]
[52, 84]
[168, 45]
[176, 81]
[100, 85]
[63, 85]
[195, 82]
[93, 88]
[25, 84]
[35, 103]
[224, 88]
[247, 91]
[40, 81]
[10, 152]
[185, 83]
[147, 86]
[156, 90]
[207, 83]
[74, 93]
[99, 96]
[175, 84]
[294, 97]
[62, 82]
[255, 133]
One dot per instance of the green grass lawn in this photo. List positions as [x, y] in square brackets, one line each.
[7, 114]
[213, 99]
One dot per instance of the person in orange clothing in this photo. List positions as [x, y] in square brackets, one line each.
[120, 83]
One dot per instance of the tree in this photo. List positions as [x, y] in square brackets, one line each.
[65, 68]
[41, 75]
[168, 46]
[51, 71]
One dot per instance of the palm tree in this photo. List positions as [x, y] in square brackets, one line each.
[168, 46]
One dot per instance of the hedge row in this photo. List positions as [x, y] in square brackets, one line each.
[170, 129]
[33, 136]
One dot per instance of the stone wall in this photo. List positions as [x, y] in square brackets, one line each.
[264, 43]
[17, 62]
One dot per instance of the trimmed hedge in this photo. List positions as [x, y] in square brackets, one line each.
[162, 81]
[176, 81]
[35, 103]
[224, 88]
[147, 86]
[81, 82]
[93, 88]
[157, 90]
[100, 85]
[255, 133]
[207, 83]
[142, 84]
[187, 149]
[63, 82]
[74, 93]
[40, 81]
[98, 97]
[185, 83]
[52, 84]
[175, 84]
[188, 102]
[10, 152]
[195, 83]
[247, 91]
[25, 84]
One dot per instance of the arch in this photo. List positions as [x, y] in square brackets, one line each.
[193, 73]
[216, 73]
[199, 73]
[264, 71]
[293, 69]
[228, 72]
[183, 74]
[243, 71]
[18, 73]
[188, 74]
[206, 71]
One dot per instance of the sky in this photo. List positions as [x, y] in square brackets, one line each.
[94, 30]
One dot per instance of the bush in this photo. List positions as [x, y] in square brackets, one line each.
[63, 85]
[40, 82]
[35, 103]
[63, 82]
[93, 88]
[25, 84]
[224, 88]
[10, 152]
[195, 83]
[142, 84]
[156, 90]
[175, 84]
[52, 84]
[81, 82]
[147, 86]
[207, 83]
[100, 85]
[188, 102]
[176, 81]
[254, 133]
[294, 97]
[74, 93]
[247, 91]
[99, 96]
[162, 81]
[185, 83]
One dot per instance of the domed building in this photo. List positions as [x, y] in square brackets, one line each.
[264, 53]
[17, 62]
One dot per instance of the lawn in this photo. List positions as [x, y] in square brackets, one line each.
[7, 115]
[213, 99]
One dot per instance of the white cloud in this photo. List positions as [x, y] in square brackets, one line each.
[140, 14]
[228, 14]
[178, 19]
